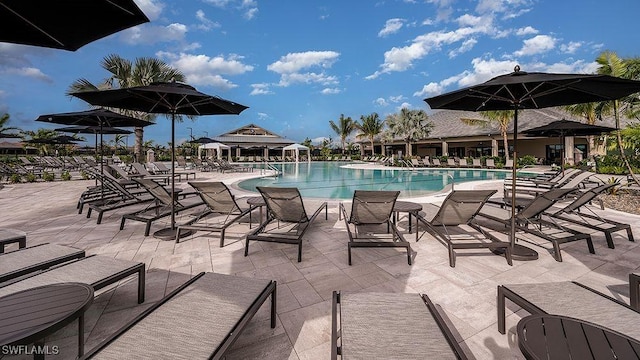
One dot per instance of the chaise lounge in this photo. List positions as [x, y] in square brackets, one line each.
[35, 258]
[199, 320]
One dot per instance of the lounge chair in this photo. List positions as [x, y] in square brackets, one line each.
[161, 168]
[371, 211]
[529, 221]
[118, 171]
[579, 215]
[201, 319]
[12, 236]
[451, 162]
[435, 162]
[570, 298]
[475, 162]
[220, 203]
[140, 169]
[490, 163]
[287, 220]
[160, 209]
[508, 164]
[390, 326]
[35, 258]
[97, 271]
[459, 209]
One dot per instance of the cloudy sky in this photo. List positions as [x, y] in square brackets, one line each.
[298, 64]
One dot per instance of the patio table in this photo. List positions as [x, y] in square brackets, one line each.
[408, 207]
[30, 315]
[10, 236]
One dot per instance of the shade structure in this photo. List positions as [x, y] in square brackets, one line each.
[57, 140]
[96, 130]
[563, 128]
[218, 147]
[296, 148]
[164, 98]
[65, 24]
[522, 90]
[202, 140]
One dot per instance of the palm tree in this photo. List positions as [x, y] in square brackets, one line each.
[4, 119]
[410, 125]
[501, 118]
[42, 134]
[344, 128]
[589, 112]
[124, 73]
[370, 127]
[611, 64]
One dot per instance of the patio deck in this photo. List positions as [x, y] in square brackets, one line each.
[467, 293]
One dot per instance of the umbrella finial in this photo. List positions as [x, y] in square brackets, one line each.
[516, 68]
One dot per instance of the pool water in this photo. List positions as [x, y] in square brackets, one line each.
[332, 180]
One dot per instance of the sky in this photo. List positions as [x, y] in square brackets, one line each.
[298, 64]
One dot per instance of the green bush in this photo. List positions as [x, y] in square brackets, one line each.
[527, 160]
[84, 175]
[66, 176]
[48, 176]
[613, 170]
[31, 177]
[15, 178]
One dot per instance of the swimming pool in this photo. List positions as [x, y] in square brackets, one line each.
[333, 180]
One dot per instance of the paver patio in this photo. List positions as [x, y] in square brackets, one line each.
[467, 293]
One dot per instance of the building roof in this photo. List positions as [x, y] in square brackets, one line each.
[252, 135]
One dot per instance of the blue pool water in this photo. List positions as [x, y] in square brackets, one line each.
[333, 181]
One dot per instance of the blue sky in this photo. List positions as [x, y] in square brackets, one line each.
[298, 64]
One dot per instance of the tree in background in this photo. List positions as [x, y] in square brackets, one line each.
[409, 125]
[610, 64]
[370, 127]
[344, 128]
[4, 129]
[41, 134]
[124, 73]
[502, 118]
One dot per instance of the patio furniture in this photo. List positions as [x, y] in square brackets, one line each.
[201, 319]
[140, 169]
[11, 236]
[560, 337]
[634, 290]
[454, 223]
[490, 163]
[409, 207]
[160, 208]
[569, 298]
[15, 264]
[435, 162]
[287, 220]
[529, 221]
[29, 316]
[576, 181]
[220, 204]
[122, 173]
[451, 162]
[163, 169]
[475, 162]
[390, 326]
[508, 164]
[578, 214]
[255, 202]
[369, 223]
[97, 271]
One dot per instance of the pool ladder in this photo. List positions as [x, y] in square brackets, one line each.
[269, 166]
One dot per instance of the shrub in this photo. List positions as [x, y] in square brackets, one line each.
[15, 178]
[611, 169]
[48, 176]
[527, 160]
[66, 175]
[84, 175]
[31, 177]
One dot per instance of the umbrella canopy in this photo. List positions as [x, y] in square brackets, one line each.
[567, 128]
[164, 98]
[65, 24]
[95, 117]
[9, 136]
[563, 128]
[203, 140]
[296, 148]
[58, 140]
[94, 130]
[522, 90]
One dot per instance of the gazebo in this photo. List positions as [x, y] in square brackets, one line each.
[296, 148]
[218, 147]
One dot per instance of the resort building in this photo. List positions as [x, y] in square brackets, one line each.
[253, 140]
[452, 136]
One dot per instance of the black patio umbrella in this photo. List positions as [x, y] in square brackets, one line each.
[65, 24]
[164, 98]
[95, 117]
[9, 136]
[57, 140]
[203, 140]
[563, 128]
[522, 90]
[94, 130]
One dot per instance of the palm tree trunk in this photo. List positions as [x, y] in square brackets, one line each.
[137, 148]
[620, 147]
[505, 142]
[373, 153]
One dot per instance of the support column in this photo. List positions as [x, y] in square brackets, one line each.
[569, 144]
[445, 148]
[494, 147]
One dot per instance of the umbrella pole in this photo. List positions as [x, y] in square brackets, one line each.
[518, 252]
[101, 162]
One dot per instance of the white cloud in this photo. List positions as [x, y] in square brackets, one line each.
[396, 99]
[466, 46]
[380, 102]
[205, 23]
[151, 8]
[205, 70]
[430, 89]
[404, 105]
[154, 34]
[14, 60]
[262, 115]
[536, 45]
[527, 30]
[392, 26]
[330, 91]
[571, 47]
[29, 72]
[249, 8]
[292, 67]
[260, 89]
